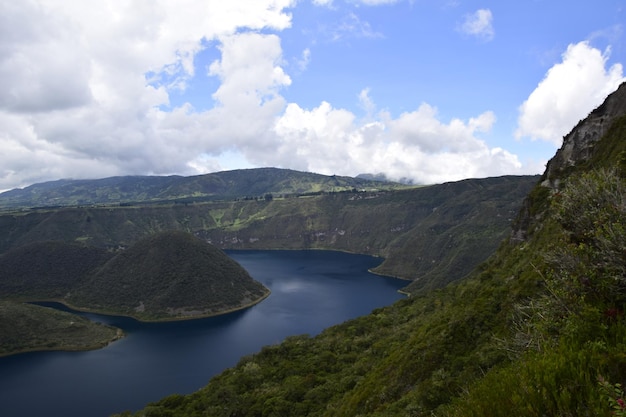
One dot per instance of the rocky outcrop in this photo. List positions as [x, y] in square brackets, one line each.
[578, 144]
[577, 148]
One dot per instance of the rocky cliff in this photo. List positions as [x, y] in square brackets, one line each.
[578, 145]
[581, 148]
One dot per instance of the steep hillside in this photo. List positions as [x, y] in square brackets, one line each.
[227, 185]
[167, 276]
[537, 330]
[582, 147]
[451, 227]
[47, 270]
[164, 276]
[26, 327]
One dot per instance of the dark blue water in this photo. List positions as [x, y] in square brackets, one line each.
[311, 290]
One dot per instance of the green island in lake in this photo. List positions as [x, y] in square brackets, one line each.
[164, 276]
[27, 327]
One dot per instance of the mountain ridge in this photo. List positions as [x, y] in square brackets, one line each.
[224, 185]
[537, 330]
[440, 220]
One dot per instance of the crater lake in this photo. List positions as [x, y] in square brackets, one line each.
[311, 290]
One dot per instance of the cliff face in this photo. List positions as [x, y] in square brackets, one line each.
[578, 144]
[579, 147]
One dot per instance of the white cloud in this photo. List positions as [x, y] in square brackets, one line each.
[377, 2]
[101, 105]
[366, 2]
[42, 67]
[479, 24]
[75, 84]
[416, 145]
[352, 26]
[366, 103]
[249, 70]
[304, 60]
[569, 91]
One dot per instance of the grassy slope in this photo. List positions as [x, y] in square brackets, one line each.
[406, 359]
[444, 223]
[149, 189]
[25, 327]
[47, 269]
[518, 337]
[168, 275]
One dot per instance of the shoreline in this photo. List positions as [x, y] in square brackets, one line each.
[143, 320]
[119, 334]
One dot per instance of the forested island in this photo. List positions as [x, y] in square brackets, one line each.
[28, 327]
[165, 276]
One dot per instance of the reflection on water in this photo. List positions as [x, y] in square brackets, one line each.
[311, 290]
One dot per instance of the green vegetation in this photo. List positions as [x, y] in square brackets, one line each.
[430, 235]
[103, 259]
[47, 270]
[571, 337]
[168, 275]
[262, 183]
[165, 276]
[26, 327]
[537, 330]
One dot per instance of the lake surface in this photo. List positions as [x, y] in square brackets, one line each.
[311, 290]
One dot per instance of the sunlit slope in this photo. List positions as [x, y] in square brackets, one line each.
[225, 185]
[431, 234]
[537, 330]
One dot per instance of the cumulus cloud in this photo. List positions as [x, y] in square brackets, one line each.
[479, 24]
[83, 84]
[86, 91]
[569, 91]
[416, 145]
[42, 67]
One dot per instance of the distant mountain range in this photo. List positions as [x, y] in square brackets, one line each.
[226, 185]
[431, 235]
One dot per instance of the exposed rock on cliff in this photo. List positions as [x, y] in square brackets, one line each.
[579, 143]
[580, 146]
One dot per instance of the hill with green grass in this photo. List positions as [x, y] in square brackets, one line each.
[428, 235]
[537, 330]
[226, 185]
[168, 276]
[27, 327]
[47, 270]
[164, 276]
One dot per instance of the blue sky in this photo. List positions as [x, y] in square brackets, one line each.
[430, 91]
